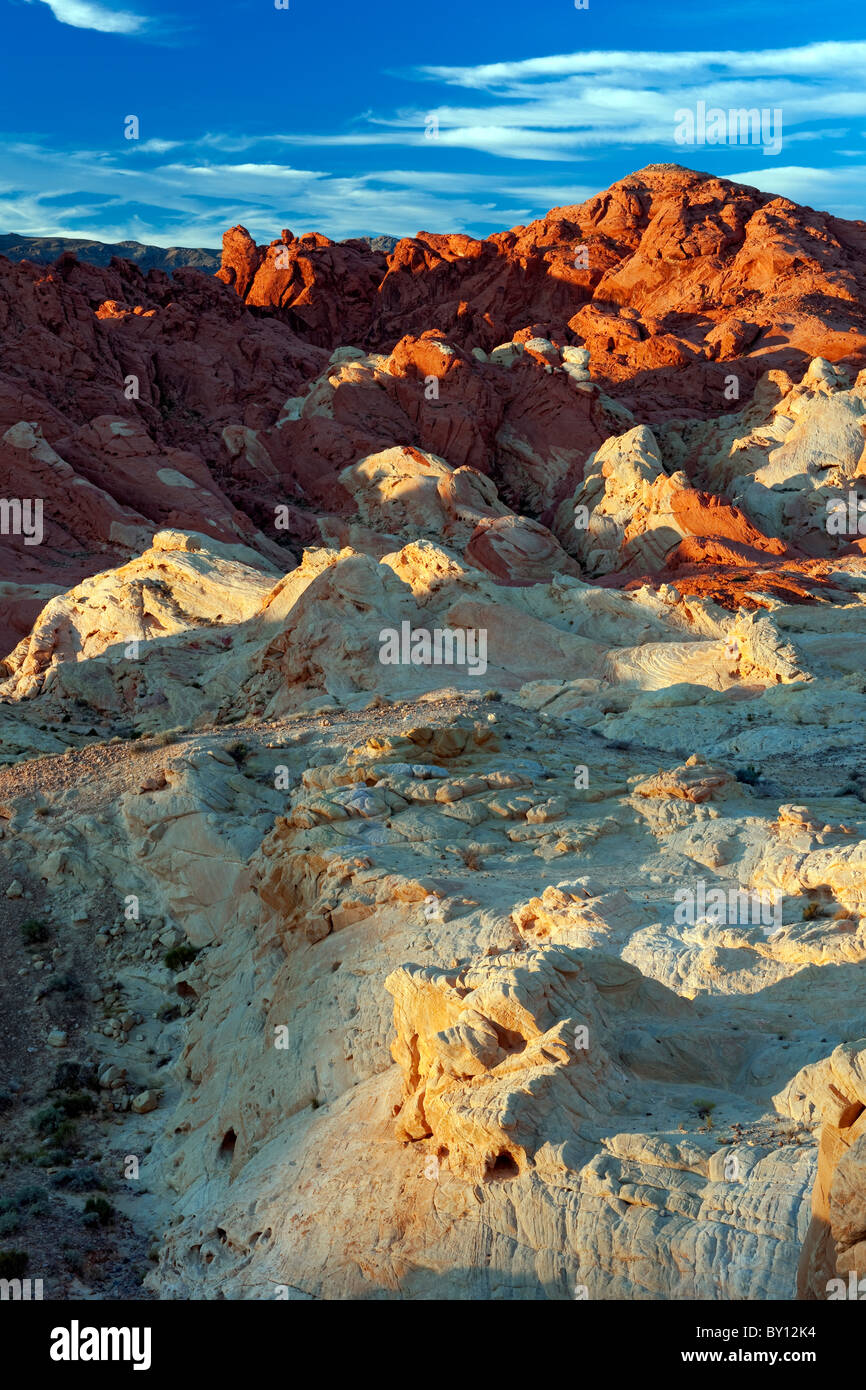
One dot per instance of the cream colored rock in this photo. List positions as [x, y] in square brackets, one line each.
[446, 997]
[182, 582]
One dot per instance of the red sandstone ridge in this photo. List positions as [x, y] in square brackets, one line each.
[688, 277]
[322, 289]
[134, 402]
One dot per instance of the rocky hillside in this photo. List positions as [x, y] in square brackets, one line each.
[431, 790]
[665, 277]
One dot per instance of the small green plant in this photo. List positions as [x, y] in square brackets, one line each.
[9, 1223]
[75, 1103]
[78, 1180]
[33, 1199]
[46, 1119]
[34, 932]
[72, 1258]
[63, 983]
[178, 957]
[165, 737]
[811, 911]
[71, 1076]
[99, 1208]
[54, 1123]
[705, 1110]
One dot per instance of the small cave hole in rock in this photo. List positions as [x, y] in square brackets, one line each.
[502, 1168]
[508, 1040]
[227, 1147]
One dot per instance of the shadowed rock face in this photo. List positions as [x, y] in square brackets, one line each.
[835, 1245]
[467, 883]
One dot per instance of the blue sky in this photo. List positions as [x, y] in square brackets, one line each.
[351, 118]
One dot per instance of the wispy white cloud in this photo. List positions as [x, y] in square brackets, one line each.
[812, 59]
[841, 190]
[191, 203]
[561, 111]
[154, 146]
[231, 175]
[561, 107]
[819, 135]
[82, 14]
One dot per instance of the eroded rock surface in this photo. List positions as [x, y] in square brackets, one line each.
[437, 708]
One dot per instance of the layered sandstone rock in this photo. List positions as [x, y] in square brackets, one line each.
[522, 861]
[835, 1246]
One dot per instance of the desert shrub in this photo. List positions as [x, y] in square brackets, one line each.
[75, 1103]
[34, 932]
[72, 1258]
[165, 736]
[101, 1211]
[53, 1122]
[64, 1132]
[63, 983]
[178, 957]
[72, 1076]
[78, 1180]
[32, 1199]
[13, 1263]
[46, 1119]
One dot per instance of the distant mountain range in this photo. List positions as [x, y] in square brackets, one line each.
[45, 250]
